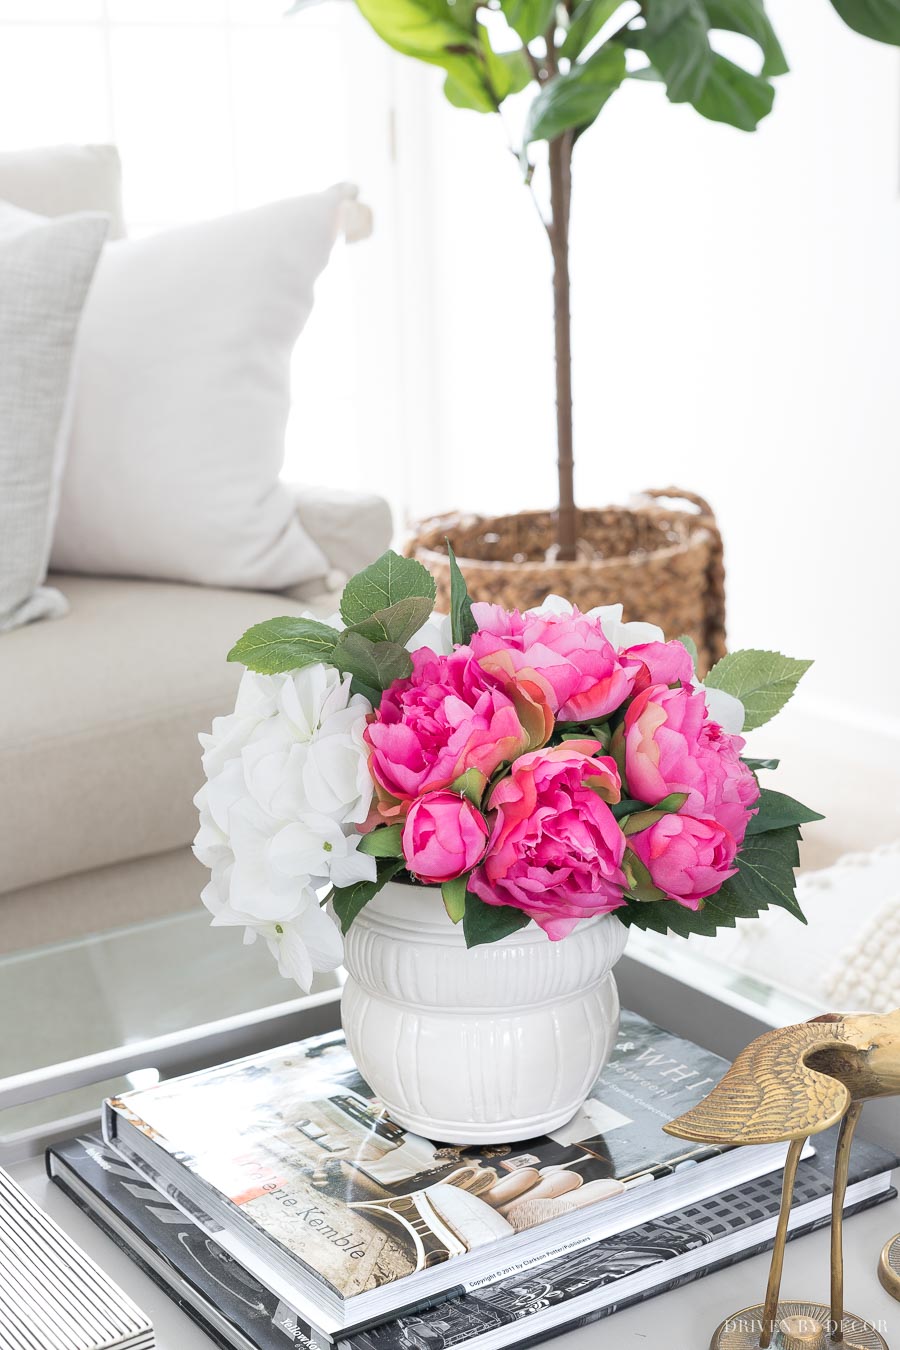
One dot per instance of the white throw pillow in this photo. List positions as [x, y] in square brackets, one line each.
[45, 271]
[58, 180]
[182, 401]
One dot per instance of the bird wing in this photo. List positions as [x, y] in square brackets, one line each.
[770, 1093]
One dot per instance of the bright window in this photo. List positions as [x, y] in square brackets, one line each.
[216, 106]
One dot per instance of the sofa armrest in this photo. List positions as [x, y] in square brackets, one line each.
[351, 528]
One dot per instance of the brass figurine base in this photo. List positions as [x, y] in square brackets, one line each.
[798, 1326]
[889, 1267]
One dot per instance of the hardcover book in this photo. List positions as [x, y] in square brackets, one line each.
[289, 1163]
[518, 1306]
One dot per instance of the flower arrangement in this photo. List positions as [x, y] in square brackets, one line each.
[541, 767]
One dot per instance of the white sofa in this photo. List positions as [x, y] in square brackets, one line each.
[100, 709]
[99, 714]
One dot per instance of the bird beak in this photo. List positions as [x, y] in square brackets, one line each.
[882, 1053]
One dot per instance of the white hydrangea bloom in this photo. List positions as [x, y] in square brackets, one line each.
[436, 634]
[287, 785]
[725, 709]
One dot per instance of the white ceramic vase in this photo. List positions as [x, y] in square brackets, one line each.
[499, 1043]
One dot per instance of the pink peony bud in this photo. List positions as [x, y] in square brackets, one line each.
[671, 745]
[687, 859]
[444, 836]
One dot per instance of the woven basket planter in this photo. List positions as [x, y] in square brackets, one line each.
[663, 564]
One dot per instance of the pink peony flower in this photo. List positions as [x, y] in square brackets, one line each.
[567, 655]
[555, 850]
[448, 717]
[444, 836]
[671, 745]
[658, 663]
[688, 859]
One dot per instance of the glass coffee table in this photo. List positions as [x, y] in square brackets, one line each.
[83, 1019]
[90, 1017]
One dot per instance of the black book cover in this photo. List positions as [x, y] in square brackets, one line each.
[188, 1257]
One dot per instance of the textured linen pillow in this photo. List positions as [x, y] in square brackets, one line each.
[45, 271]
[58, 180]
[182, 402]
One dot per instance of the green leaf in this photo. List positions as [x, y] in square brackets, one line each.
[617, 750]
[641, 820]
[528, 18]
[688, 642]
[462, 624]
[765, 874]
[598, 731]
[426, 29]
[467, 86]
[674, 802]
[287, 643]
[650, 75]
[471, 784]
[763, 681]
[384, 842]
[348, 901]
[398, 622]
[757, 764]
[676, 39]
[378, 588]
[376, 664]
[519, 73]
[640, 882]
[587, 19]
[454, 893]
[878, 19]
[731, 94]
[489, 923]
[750, 18]
[765, 877]
[627, 806]
[777, 810]
[574, 99]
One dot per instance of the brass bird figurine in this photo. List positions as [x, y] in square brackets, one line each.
[792, 1083]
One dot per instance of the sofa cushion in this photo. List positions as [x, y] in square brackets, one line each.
[59, 179]
[182, 398]
[99, 715]
[68, 908]
[45, 271]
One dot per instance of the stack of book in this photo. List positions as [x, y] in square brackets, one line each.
[277, 1203]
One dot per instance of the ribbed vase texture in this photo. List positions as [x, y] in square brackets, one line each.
[488, 1045]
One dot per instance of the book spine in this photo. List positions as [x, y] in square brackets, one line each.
[406, 1310]
[108, 1122]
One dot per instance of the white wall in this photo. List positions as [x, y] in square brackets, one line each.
[737, 330]
[737, 298]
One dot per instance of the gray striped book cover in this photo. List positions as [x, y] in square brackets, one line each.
[52, 1296]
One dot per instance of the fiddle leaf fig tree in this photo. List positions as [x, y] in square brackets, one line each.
[576, 54]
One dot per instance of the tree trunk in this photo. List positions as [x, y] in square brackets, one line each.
[558, 228]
